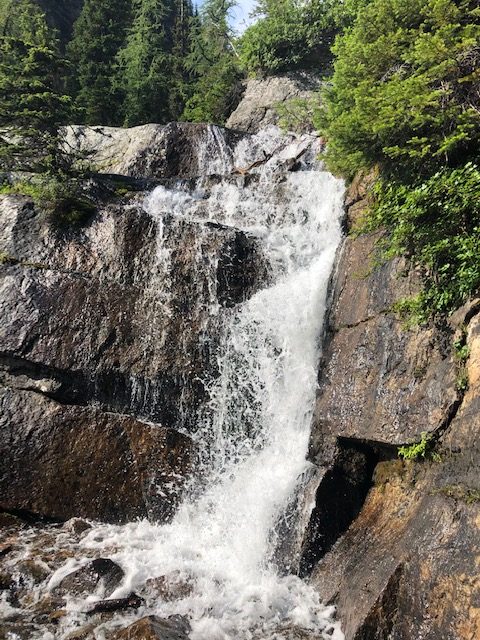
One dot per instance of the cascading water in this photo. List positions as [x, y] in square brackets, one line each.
[253, 433]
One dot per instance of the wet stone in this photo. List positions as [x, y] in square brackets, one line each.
[86, 580]
[170, 587]
[33, 571]
[132, 601]
[9, 521]
[155, 628]
[77, 526]
[82, 633]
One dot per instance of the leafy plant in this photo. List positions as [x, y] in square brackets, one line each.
[436, 223]
[404, 93]
[416, 450]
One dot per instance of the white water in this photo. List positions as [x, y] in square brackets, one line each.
[253, 435]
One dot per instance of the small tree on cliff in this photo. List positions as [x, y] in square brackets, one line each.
[33, 105]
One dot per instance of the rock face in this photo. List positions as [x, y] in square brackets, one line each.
[392, 543]
[60, 460]
[101, 572]
[257, 108]
[107, 326]
[155, 151]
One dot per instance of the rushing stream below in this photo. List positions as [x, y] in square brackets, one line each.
[222, 546]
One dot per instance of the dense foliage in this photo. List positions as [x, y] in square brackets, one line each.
[292, 34]
[33, 103]
[405, 91]
[437, 223]
[151, 63]
[405, 96]
[98, 35]
[213, 64]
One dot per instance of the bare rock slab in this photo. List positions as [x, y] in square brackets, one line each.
[63, 461]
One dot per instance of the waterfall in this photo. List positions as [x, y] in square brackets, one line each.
[253, 433]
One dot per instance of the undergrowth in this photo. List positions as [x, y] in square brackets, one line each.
[60, 199]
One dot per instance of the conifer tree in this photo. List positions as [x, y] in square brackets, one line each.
[33, 105]
[151, 66]
[213, 60]
[98, 35]
[183, 21]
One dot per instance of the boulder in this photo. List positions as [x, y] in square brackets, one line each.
[155, 628]
[62, 461]
[170, 587]
[257, 107]
[132, 601]
[118, 313]
[101, 573]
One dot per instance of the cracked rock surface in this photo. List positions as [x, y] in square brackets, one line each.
[404, 563]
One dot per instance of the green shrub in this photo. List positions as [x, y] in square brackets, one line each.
[291, 34]
[419, 450]
[60, 200]
[404, 92]
[437, 224]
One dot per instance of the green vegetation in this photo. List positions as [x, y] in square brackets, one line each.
[418, 450]
[33, 103]
[60, 199]
[436, 222]
[404, 92]
[98, 35]
[291, 34]
[405, 98]
[213, 65]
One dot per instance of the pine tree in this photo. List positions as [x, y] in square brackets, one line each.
[98, 35]
[33, 105]
[181, 43]
[213, 60]
[151, 66]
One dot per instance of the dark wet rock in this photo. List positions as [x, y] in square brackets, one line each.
[155, 628]
[85, 632]
[97, 316]
[20, 630]
[65, 461]
[32, 570]
[9, 521]
[132, 601]
[86, 580]
[6, 581]
[77, 526]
